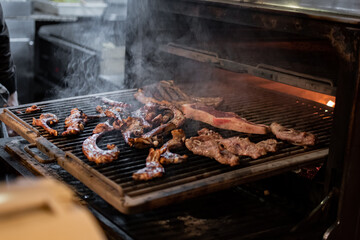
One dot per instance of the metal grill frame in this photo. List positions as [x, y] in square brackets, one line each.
[113, 192]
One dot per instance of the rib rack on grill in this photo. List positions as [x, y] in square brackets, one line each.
[167, 91]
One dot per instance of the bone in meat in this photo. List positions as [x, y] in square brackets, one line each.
[33, 108]
[153, 168]
[224, 120]
[96, 154]
[293, 136]
[157, 157]
[115, 103]
[45, 120]
[75, 123]
[176, 142]
[167, 91]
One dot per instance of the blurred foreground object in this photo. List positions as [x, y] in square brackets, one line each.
[43, 209]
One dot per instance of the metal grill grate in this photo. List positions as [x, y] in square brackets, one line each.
[257, 105]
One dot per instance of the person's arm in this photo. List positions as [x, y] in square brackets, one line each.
[7, 67]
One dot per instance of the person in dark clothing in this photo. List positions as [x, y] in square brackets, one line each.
[7, 67]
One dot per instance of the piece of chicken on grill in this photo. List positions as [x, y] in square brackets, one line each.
[45, 120]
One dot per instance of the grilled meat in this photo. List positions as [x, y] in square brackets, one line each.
[96, 154]
[157, 157]
[133, 128]
[45, 120]
[176, 142]
[167, 91]
[153, 168]
[177, 121]
[224, 120]
[226, 150]
[293, 136]
[208, 146]
[33, 108]
[124, 106]
[244, 147]
[75, 123]
[103, 127]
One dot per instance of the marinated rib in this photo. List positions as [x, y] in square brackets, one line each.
[176, 142]
[133, 128]
[96, 154]
[75, 123]
[33, 108]
[115, 103]
[103, 127]
[157, 157]
[45, 120]
[293, 136]
[167, 91]
[224, 120]
[153, 168]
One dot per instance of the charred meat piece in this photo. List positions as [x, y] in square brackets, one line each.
[75, 123]
[153, 168]
[103, 127]
[124, 106]
[33, 108]
[244, 147]
[45, 120]
[177, 121]
[224, 120]
[157, 157]
[146, 114]
[293, 136]
[208, 146]
[96, 154]
[111, 112]
[226, 150]
[169, 92]
[132, 130]
[176, 142]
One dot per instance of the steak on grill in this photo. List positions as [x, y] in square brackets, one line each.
[224, 120]
[293, 136]
[226, 150]
[208, 146]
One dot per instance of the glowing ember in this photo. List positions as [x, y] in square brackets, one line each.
[330, 103]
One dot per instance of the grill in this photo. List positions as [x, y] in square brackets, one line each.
[199, 175]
